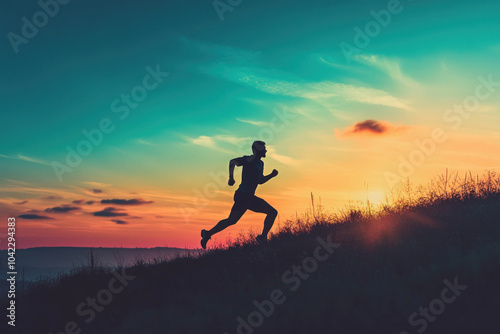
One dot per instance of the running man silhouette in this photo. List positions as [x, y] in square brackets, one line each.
[244, 196]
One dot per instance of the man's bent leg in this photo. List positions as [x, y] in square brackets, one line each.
[259, 205]
[268, 222]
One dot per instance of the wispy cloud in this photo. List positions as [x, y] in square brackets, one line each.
[119, 221]
[203, 141]
[221, 53]
[244, 67]
[213, 142]
[97, 184]
[318, 91]
[110, 212]
[95, 192]
[331, 63]
[17, 182]
[44, 193]
[51, 198]
[144, 142]
[328, 90]
[389, 66]
[62, 209]
[256, 123]
[38, 161]
[281, 158]
[133, 201]
[25, 158]
[33, 216]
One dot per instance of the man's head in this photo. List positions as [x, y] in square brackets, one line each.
[259, 148]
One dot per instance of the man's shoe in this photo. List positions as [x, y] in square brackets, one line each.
[204, 239]
[262, 240]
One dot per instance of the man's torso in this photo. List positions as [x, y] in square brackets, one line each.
[251, 175]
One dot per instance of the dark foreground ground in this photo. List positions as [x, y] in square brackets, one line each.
[432, 266]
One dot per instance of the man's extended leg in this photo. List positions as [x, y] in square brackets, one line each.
[236, 212]
[234, 216]
[259, 205]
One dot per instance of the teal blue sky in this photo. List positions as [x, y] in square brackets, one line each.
[66, 77]
[226, 80]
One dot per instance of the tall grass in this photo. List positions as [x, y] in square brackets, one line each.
[403, 197]
[447, 186]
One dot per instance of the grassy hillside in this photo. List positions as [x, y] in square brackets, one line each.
[433, 250]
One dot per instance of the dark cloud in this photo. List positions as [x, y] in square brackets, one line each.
[120, 222]
[51, 198]
[133, 201]
[78, 201]
[30, 216]
[62, 208]
[370, 126]
[97, 191]
[90, 202]
[110, 212]
[21, 203]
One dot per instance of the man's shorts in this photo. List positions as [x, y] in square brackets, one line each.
[245, 201]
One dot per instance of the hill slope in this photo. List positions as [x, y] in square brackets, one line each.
[436, 262]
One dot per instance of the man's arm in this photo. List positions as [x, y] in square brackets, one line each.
[234, 162]
[266, 178]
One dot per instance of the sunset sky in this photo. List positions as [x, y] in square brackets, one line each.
[336, 125]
